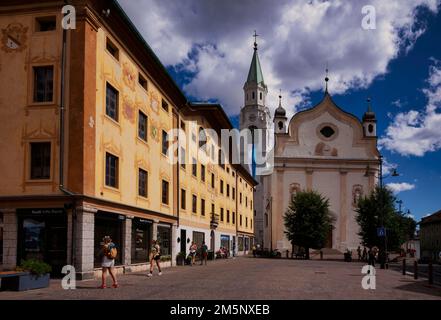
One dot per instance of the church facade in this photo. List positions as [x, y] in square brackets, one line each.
[323, 148]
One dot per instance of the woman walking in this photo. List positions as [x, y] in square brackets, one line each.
[155, 258]
[193, 249]
[108, 253]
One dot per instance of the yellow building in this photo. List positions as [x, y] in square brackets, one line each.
[84, 150]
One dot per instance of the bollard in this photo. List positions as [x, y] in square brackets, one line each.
[321, 255]
[404, 267]
[415, 270]
[430, 273]
[287, 254]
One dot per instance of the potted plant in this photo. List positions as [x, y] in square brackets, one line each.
[34, 274]
[180, 258]
[210, 255]
[348, 255]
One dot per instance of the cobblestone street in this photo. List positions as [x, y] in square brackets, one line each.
[247, 278]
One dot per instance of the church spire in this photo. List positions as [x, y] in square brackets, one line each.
[255, 74]
[326, 79]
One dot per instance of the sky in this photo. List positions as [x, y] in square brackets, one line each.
[389, 51]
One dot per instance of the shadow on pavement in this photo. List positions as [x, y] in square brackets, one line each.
[420, 287]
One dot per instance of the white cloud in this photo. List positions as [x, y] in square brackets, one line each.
[400, 187]
[418, 132]
[213, 39]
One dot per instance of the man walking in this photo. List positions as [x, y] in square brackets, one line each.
[204, 253]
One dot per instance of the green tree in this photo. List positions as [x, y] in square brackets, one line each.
[378, 210]
[308, 220]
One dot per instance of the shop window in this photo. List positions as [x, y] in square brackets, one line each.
[108, 224]
[240, 243]
[40, 160]
[112, 97]
[247, 244]
[141, 238]
[164, 236]
[225, 242]
[43, 84]
[111, 170]
[198, 238]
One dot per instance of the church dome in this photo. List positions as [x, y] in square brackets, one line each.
[280, 112]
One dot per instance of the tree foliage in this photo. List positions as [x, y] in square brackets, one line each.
[378, 210]
[308, 220]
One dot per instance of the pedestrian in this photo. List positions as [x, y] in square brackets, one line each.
[204, 253]
[108, 253]
[254, 250]
[359, 253]
[364, 255]
[193, 248]
[371, 254]
[155, 258]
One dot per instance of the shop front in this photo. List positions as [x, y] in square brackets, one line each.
[42, 235]
[164, 238]
[141, 240]
[108, 224]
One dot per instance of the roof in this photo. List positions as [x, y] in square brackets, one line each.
[255, 74]
[433, 218]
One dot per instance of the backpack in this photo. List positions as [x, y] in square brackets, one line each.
[111, 252]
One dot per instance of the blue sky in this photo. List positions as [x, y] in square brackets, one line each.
[207, 48]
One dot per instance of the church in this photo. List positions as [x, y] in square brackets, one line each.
[323, 148]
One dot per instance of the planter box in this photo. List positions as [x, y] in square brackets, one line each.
[23, 282]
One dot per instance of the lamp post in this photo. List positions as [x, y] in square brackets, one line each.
[394, 173]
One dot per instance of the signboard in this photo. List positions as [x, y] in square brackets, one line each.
[51, 211]
[381, 232]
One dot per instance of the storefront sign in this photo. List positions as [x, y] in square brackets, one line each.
[53, 211]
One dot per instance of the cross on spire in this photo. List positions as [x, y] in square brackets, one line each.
[327, 78]
[255, 35]
[280, 97]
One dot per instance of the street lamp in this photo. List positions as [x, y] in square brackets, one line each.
[381, 178]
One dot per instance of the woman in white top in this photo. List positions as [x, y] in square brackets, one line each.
[155, 257]
[107, 262]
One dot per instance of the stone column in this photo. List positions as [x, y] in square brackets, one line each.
[84, 242]
[127, 236]
[343, 209]
[9, 238]
[174, 248]
[155, 229]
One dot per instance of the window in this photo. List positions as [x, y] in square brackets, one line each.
[194, 168]
[246, 202]
[164, 105]
[111, 170]
[112, 49]
[40, 160]
[370, 128]
[246, 222]
[142, 126]
[253, 95]
[222, 187]
[164, 142]
[240, 198]
[182, 158]
[222, 214]
[164, 239]
[112, 102]
[45, 24]
[202, 139]
[261, 96]
[228, 190]
[183, 199]
[142, 81]
[202, 207]
[212, 180]
[234, 193]
[164, 192]
[202, 172]
[194, 204]
[142, 183]
[240, 220]
[43, 84]
[140, 240]
[233, 216]
[327, 132]
[228, 216]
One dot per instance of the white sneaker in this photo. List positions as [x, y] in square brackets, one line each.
[149, 275]
[160, 274]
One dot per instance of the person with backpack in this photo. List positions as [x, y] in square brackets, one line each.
[155, 257]
[204, 253]
[193, 249]
[109, 253]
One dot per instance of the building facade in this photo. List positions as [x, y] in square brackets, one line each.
[85, 152]
[328, 150]
[430, 236]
